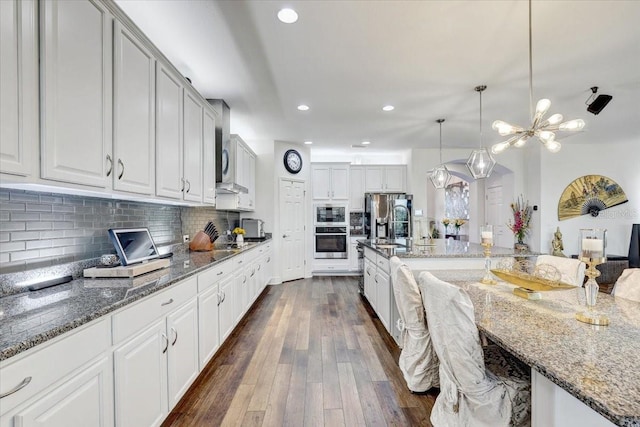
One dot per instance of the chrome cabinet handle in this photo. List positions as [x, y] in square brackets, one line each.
[121, 164]
[17, 388]
[259, 267]
[220, 273]
[284, 236]
[189, 186]
[219, 298]
[224, 296]
[182, 179]
[244, 280]
[110, 160]
[253, 272]
[176, 338]
[166, 345]
[167, 302]
[269, 259]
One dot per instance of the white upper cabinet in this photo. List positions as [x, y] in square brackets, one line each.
[169, 145]
[356, 189]
[134, 114]
[245, 164]
[192, 147]
[18, 87]
[209, 157]
[330, 181]
[76, 64]
[389, 179]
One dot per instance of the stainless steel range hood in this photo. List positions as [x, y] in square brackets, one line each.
[226, 174]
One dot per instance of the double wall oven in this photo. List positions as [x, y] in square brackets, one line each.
[330, 231]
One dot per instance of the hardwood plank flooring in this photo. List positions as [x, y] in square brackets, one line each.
[308, 353]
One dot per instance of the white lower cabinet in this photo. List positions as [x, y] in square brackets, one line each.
[156, 367]
[377, 286]
[369, 282]
[383, 297]
[209, 324]
[85, 400]
[227, 307]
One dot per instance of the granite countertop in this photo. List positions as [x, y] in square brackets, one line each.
[597, 365]
[31, 318]
[438, 248]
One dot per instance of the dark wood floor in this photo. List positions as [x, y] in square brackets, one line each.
[309, 352]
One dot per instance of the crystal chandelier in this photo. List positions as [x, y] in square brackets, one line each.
[544, 130]
[480, 162]
[440, 176]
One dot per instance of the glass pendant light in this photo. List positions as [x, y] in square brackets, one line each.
[440, 176]
[480, 162]
[544, 130]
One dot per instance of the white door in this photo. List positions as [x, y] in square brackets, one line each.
[168, 134]
[292, 227]
[76, 57]
[183, 367]
[84, 400]
[495, 216]
[134, 142]
[192, 147]
[18, 87]
[141, 378]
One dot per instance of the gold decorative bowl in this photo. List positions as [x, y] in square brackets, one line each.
[529, 281]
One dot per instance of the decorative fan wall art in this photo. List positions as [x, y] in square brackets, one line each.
[589, 194]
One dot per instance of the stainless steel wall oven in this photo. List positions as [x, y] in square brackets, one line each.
[331, 242]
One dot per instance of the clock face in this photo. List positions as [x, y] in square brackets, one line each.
[292, 161]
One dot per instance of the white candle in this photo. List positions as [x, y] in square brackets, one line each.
[592, 248]
[487, 237]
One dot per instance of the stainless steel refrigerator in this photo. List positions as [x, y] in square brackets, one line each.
[388, 215]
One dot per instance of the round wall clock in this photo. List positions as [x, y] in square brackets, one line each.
[292, 161]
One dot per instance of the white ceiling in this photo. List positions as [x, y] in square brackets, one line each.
[346, 59]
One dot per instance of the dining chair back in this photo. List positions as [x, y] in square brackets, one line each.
[472, 392]
[418, 361]
[628, 285]
[571, 270]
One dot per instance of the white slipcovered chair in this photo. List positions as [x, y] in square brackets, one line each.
[628, 285]
[418, 361]
[571, 270]
[477, 389]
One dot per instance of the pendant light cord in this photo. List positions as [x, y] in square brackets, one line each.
[441, 141]
[480, 119]
[530, 67]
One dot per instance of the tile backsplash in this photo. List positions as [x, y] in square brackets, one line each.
[46, 229]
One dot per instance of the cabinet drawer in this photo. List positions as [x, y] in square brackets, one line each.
[208, 278]
[370, 254]
[49, 364]
[239, 262]
[383, 263]
[140, 315]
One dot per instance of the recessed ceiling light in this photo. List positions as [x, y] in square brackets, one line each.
[288, 16]
[366, 142]
[388, 108]
[303, 107]
[308, 142]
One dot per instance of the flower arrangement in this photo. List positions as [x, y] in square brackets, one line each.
[520, 225]
[457, 223]
[238, 230]
[446, 222]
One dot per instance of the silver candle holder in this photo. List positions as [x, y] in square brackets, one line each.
[592, 253]
[486, 240]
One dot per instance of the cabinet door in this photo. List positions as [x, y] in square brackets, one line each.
[227, 316]
[242, 292]
[356, 189]
[250, 178]
[192, 147]
[268, 268]
[19, 87]
[340, 182]
[208, 325]
[134, 114]
[168, 134]
[321, 182]
[353, 256]
[383, 297]
[374, 176]
[76, 58]
[183, 367]
[395, 179]
[84, 400]
[209, 158]
[369, 282]
[141, 378]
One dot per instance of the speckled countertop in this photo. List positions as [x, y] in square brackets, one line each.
[31, 318]
[597, 365]
[438, 248]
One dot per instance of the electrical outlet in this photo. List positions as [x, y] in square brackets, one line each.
[185, 238]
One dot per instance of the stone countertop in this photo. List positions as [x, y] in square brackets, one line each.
[31, 318]
[597, 365]
[438, 248]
